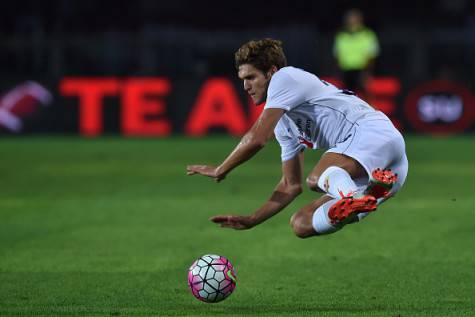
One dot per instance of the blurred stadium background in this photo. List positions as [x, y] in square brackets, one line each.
[184, 45]
[94, 222]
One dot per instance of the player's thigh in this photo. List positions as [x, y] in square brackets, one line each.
[400, 168]
[301, 221]
[347, 163]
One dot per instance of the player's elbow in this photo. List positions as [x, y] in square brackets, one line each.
[259, 143]
[257, 140]
[295, 190]
[292, 188]
[254, 142]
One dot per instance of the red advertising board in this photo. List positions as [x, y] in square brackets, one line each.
[160, 106]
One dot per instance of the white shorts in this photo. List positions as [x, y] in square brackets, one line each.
[376, 144]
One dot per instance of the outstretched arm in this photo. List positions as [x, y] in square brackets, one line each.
[289, 187]
[250, 144]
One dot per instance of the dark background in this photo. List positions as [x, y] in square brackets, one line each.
[50, 39]
[193, 40]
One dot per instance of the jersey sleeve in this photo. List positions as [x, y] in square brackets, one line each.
[284, 92]
[373, 49]
[289, 145]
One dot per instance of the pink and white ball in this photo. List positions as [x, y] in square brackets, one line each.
[211, 278]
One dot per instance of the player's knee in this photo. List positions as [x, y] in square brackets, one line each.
[352, 167]
[312, 182]
[300, 226]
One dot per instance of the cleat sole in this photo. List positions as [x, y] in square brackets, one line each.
[348, 207]
[381, 183]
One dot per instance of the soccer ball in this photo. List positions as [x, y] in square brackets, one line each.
[211, 278]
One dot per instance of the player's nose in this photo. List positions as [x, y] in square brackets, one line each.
[247, 86]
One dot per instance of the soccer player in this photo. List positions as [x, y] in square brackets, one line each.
[355, 47]
[364, 163]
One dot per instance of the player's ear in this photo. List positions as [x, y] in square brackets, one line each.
[272, 71]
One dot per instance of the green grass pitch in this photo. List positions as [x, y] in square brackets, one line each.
[109, 227]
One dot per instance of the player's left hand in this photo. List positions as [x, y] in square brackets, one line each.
[206, 170]
[234, 222]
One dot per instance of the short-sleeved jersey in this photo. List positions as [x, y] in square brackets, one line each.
[317, 114]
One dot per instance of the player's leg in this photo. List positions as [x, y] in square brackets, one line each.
[302, 221]
[384, 184]
[351, 80]
[319, 217]
[334, 174]
[328, 214]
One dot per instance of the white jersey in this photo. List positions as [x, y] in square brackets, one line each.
[318, 115]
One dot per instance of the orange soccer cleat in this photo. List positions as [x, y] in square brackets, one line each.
[344, 209]
[380, 183]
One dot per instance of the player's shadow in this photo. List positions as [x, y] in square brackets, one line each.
[284, 309]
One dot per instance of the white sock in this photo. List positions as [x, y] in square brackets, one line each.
[362, 215]
[320, 221]
[337, 182]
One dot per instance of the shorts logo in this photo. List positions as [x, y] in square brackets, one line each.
[326, 184]
[306, 143]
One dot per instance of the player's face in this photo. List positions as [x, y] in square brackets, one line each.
[255, 82]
